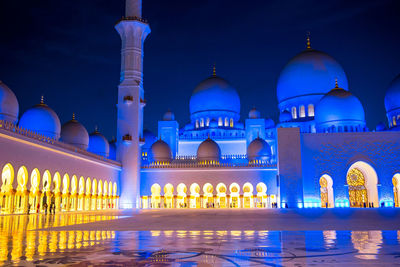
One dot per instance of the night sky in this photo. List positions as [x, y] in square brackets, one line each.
[69, 51]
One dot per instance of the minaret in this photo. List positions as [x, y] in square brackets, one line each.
[133, 31]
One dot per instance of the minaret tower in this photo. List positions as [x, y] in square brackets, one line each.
[133, 31]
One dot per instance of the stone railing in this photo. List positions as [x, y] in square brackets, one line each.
[178, 165]
[10, 127]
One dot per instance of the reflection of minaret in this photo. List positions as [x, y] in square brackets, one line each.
[133, 31]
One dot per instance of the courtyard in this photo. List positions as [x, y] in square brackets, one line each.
[205, 237]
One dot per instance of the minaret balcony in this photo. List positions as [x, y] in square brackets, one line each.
[128, 99]
[141, 141]
[127, 139]
[142, 102]
[132, 18]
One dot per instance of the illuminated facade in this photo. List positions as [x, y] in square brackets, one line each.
[320, 154]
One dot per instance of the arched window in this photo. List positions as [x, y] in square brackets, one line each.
[294, 113]
[197, 124]
[231, 123]
[310, 111]
[201, 122]
[302, 111]
[226, 122]
[208, 122]
[220, 123]
[394, 121]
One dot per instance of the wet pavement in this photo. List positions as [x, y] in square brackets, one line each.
[22, 242]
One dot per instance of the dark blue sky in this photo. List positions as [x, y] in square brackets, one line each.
[69, 52]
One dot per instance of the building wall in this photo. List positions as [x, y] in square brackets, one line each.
[228, 147]
[334, 153]
[210, 175]
[23, 151]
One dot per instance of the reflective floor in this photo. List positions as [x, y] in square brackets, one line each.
[22, 243]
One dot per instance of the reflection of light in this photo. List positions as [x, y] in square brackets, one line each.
[367, 243]
[155, 233]
[329, 238]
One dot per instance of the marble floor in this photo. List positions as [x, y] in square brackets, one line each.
[105, 239]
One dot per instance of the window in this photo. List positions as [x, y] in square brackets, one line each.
[302, 111]
[220, 123]
[310, 111]
[226, 122]
[201, 122]
[197, 124]
[231, 123]
[294, 113]
[394, 121]
[208, 122]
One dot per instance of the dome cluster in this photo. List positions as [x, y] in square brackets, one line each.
[44, 121]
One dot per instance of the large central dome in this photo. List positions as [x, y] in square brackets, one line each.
[214, 94]
[309, 73]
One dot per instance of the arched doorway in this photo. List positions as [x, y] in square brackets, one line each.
[22, 195]
[100, 195]
[34, 197]
[168, 196]
[57, 191]
[234, 188]
[221, 195]
[262, 199]
[105, 195]
[65, 193]
[208, 197]
[326, 191]
[181, 198]
[46, 188]
[81, 193]
[248, 195]
[94, 195]
[74, 193]
[88, 194]
[195, 196]
[115, 195]
[362, 182]
[396, 189]
[7, 191]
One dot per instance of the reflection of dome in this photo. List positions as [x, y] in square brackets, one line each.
[8, 104]
[254, 114]
[285, 116]
[113, 150]
[98, 144]
[161, 152]
[42, 120]
[333, 110]
[392, 97]
[74, 133]
[208, 150]
[309, 73]
[214, 94]
[169, 116]
[258, 149]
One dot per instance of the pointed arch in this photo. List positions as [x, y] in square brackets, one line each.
[362, 180]
[326, 191]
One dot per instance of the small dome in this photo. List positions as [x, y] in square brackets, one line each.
[254, 114]
[285, 116]
[309, 73]
[208, 150]
[98, 144]
[113, 149]
[8, 104]
[392, 97]
[269, 123]
[333, 110]
[169, 116]
[259, 149]
[74, 133]
[42, 120]
[161, 152]
[214, 94]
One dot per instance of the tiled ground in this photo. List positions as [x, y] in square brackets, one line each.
[114, 239]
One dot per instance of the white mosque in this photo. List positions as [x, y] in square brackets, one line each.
[319, 154]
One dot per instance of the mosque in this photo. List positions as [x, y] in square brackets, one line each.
[319, 154]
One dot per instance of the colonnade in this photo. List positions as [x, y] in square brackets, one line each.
[37, 193]
[207, 198]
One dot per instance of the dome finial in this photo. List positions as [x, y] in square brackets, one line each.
[42, 100]
[73, 116]
[308, 40]
[96, 129]
[336, 83]
[214, 71]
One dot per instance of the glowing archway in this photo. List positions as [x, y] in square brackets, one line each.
[93, 205]
[22, 194]
[7, 192]
[81, 193]
[155, 196]
[248, 195]
[169, 196]
[362, 181]
[46, 188]
[208, 197]
[100, 195]
[221, 195]
[195, 201]
[234, 188]
[396, 189]
[181, 198]
[326, 191]
[88, 195]
[262, 198]
[34, 197]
